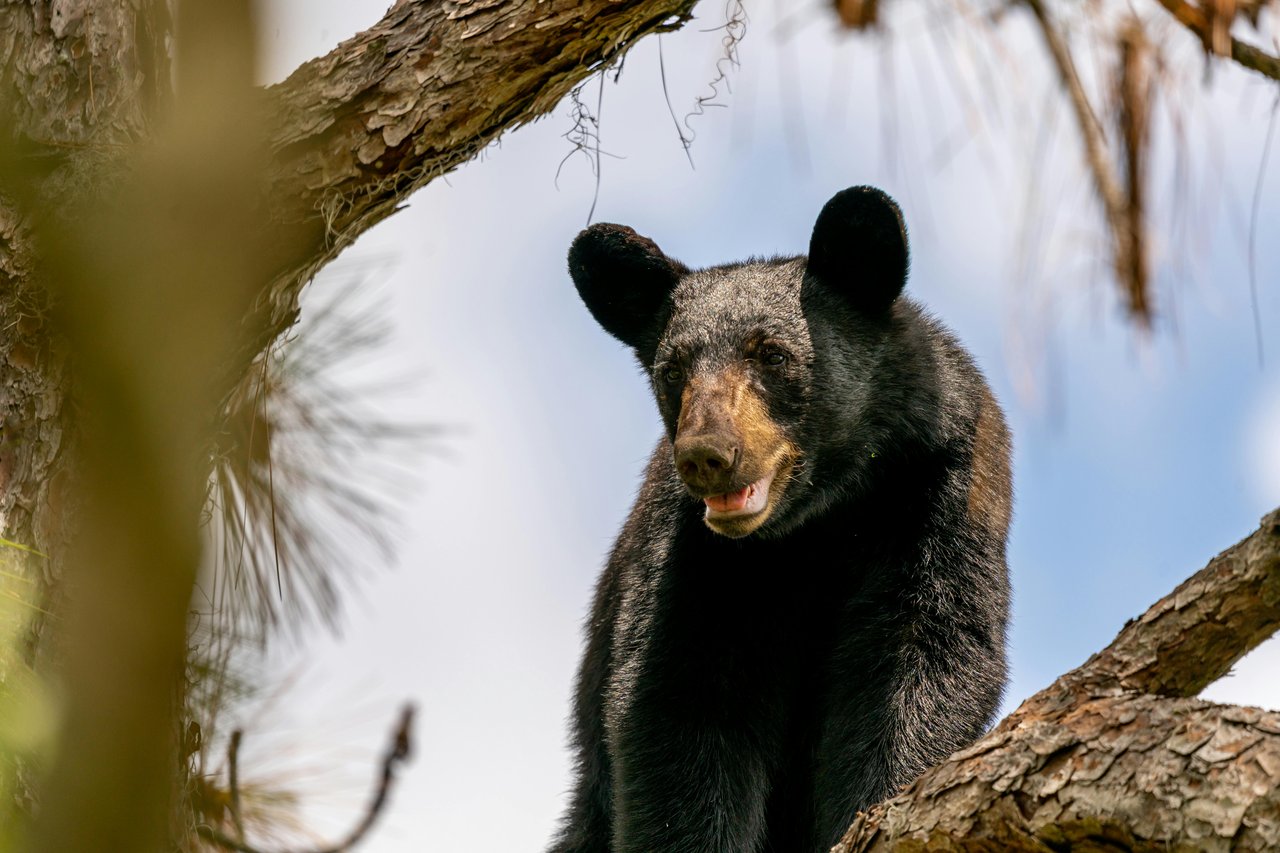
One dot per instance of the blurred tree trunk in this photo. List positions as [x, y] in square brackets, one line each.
[79, 84]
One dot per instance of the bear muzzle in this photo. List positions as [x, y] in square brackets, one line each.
[707, 463]
[731, 456]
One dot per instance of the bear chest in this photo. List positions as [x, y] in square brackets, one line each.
[722, 636]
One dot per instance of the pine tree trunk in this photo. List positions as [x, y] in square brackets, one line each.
[80, 82]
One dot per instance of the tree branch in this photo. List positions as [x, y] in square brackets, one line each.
[1102, 759]
[1247, 55]
[397, 751]
[1191, 637]
[233, 782]
[1120, 773]
[1125, 229]
[355, 132]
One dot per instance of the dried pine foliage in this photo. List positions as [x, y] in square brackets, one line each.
[304, 480]
[1133, 92]
[1115, 108]
[304, 488]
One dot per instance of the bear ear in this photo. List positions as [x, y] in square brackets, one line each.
[859, 248]
[624, 279]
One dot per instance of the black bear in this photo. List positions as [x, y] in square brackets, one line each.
[807, 606]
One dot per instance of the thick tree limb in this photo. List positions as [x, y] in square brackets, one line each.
[421, 92]
[1124, 772]
[1191, 637]
[1102, 759]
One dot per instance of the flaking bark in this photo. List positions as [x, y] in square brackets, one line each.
[425, 89]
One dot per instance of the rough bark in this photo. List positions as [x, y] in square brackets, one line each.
[421, 92]
[79, 81]
[352, 134]
[1114, 755]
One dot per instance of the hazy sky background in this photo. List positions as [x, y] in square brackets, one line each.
[1136, 460]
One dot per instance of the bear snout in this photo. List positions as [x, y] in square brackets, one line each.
[707, 463]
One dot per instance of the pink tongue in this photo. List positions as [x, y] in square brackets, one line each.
[729, 502]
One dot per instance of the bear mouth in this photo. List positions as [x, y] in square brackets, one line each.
[748, 500]
[741, 512]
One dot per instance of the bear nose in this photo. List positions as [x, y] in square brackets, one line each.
[706, 463]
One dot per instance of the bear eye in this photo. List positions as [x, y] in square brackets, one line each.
[672, 373]
[775, 358]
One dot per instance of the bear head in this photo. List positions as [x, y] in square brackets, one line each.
[763, 370]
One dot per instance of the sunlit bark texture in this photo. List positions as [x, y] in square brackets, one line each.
[424, 90]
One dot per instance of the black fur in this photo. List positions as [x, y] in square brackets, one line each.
[860, 244]
[625, 279]
[751, 694]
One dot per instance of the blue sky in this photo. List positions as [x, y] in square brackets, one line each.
[1136, 458]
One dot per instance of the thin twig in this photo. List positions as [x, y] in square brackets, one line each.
[233, 777]
[595, 196]
[397, 751]
[271, 486]
[1134, 116]
[1253, 232]
[686, 142]
[1090, 127]
[735, 28]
